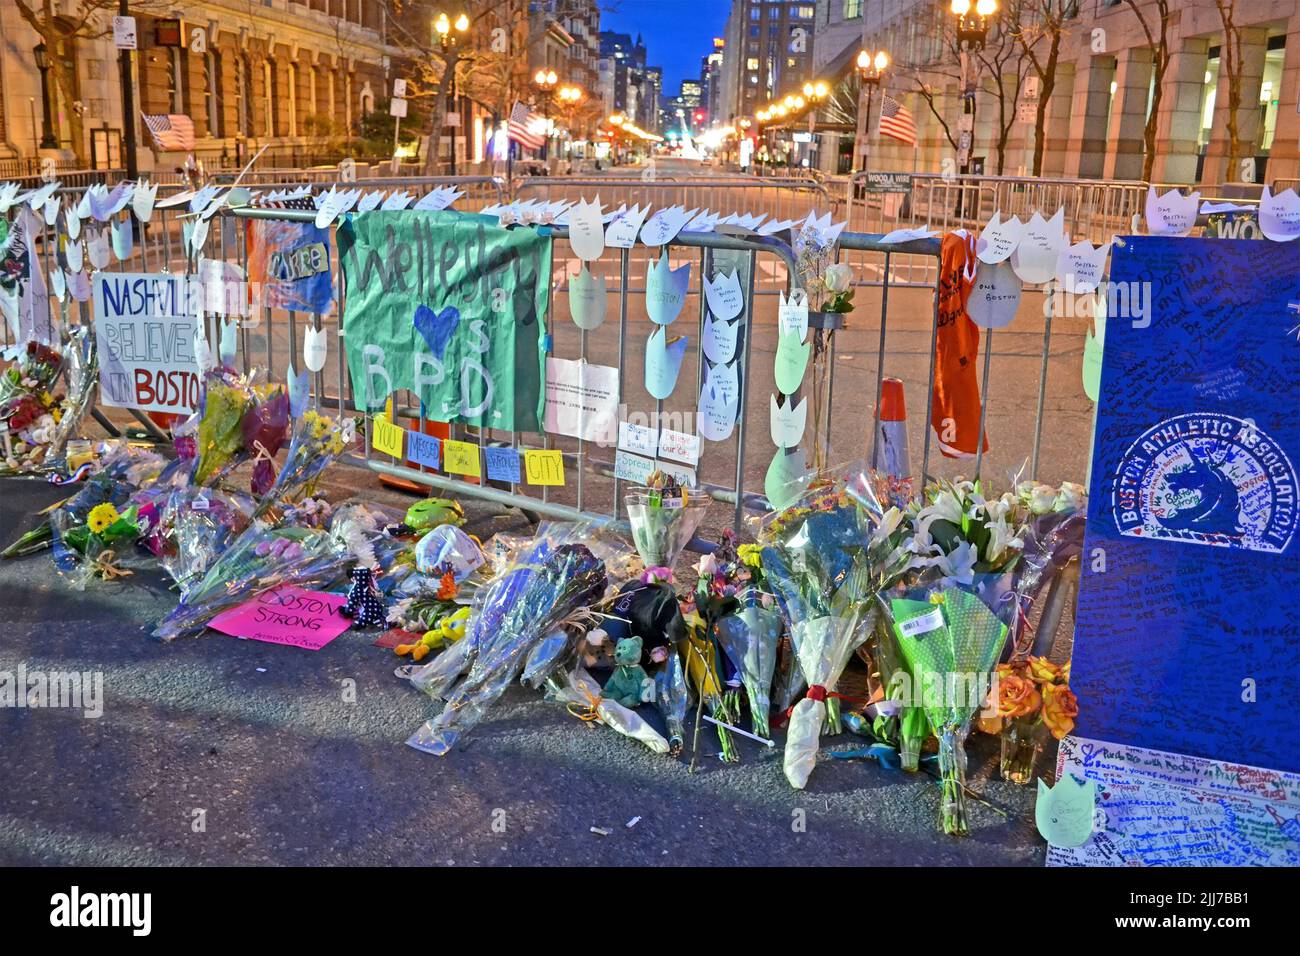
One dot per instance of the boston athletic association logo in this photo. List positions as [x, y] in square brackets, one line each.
[1210, 479]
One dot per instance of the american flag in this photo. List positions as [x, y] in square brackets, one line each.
[525, 127]
[173, 132]
[896, 121]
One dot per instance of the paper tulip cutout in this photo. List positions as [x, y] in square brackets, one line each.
[786, 478]
[198, 235]
[587, 299]
[717, 412]
[72, 223]
[299, 391]
[995, 296]
[665, 290]
[999, 238]
[1093, 347]
[142, 200]
[788, 422]
[719, 341]
[1172, 214]
[1279, 215]
[396, 201]
[586, 230]
[60, 283]
[79, 286]
[123, 239]
[97, 247]
[315, 346]
[1040, 247]
[622, 232]
[50, 211]
[74, 254]
[663, 360]
[40, 197]
[726, 379]
[791, 362]
[664, 225]
[1064, 813]
[370, 200]
[228, 342]
[724, 296]
[792, 314]
[1081, 267]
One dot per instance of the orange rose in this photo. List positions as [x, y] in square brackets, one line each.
[1017, 697]
[1060, 707]
[1043, 670]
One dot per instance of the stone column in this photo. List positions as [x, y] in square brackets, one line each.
[1254, 45]
[1128, 114]
[1057, 123]
[1284, 157]
[1179, 123]
[1086, 152]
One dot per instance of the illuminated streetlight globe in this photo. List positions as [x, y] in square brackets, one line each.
[960, 7]
[462, 23]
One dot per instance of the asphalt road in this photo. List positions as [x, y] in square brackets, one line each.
[259, 739]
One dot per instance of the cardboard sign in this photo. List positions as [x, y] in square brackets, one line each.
[145, 342]
[288, 615]
[461, 458]
[544, 466]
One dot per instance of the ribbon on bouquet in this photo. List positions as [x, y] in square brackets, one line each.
[818, 692]
[106, 565]
[586, 712]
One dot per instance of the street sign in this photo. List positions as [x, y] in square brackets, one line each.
[399, 89]
[397, 107]
[169, 32]
[889, 182]
[453, 119]
[966, 122]
[124, 33]
[1027, 112]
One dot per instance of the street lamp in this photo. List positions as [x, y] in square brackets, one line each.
[47, 129]
[871, 70]
[545, 81]
[973, 22]
[449, 33]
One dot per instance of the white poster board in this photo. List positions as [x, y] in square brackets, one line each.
[146, 342]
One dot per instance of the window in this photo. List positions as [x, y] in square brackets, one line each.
[754, 30]
[293, 99]
[212, 93]
[751, 63]
[268, 97]
[852, 9]
[176, 80]
[755, 13]
[243, 96]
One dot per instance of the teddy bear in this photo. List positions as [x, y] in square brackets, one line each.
[364, 604]
[629, 684]
[449, 630]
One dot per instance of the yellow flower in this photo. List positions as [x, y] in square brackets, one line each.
[1060, 707]
[751, 554]
[101, 517]
[1043, 670]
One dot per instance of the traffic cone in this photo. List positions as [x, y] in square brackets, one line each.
[892, 458]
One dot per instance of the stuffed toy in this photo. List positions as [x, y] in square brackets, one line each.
[364, 605]
[449, 630]
[629, 684]
[648, 611]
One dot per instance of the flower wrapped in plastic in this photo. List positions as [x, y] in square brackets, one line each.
[750, 638]
[219, 435]
[81, 372]
[826, 558]
[260, 559]
[581, 693]
[195, 526]
[664, 517]
[102, 546]
[554, 582]
[1051, 537]
[29, 410]
[317, 441]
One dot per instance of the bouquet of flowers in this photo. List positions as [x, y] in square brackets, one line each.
[29, 412]
[260, 559]
[236, 421]
[194, 527]
[826, 558]
[91, 549]
[123, 470]
[581, 694]
[664, 517]
[1051, 537]
[316, 442]
[1031, 696]
[553, 585]
[82, 375]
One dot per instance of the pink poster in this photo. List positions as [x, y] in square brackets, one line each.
[288, 615]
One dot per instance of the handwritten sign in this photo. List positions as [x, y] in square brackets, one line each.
[638, 469]
[581, 399]
[387, 437]
[502, 464]
[545, 466]
[145, 339]
[424, 450]
[287, 615]
[1160, 809]
[1186, 621]
[461, 458]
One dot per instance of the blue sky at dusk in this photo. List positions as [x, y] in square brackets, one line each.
[677, 33]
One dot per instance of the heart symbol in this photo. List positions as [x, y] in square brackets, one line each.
[436, 328]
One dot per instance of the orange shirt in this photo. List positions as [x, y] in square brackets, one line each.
[955, 412]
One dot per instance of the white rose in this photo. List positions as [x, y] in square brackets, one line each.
[1071, 498]
[1041, 499]
[838, 278]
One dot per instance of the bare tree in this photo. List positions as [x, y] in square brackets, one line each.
[1007, 65]
[1039, 26]
[1156, 29]
[1232, 66]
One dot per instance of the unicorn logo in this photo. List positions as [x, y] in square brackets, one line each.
[1207, 478]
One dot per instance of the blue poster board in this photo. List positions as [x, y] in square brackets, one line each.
[1189, 640]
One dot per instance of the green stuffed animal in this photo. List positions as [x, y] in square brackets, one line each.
[423, 516]
[629, 685]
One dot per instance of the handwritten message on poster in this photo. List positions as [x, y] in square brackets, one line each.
[1185, 638]
[1161, 809]
[581, 399]
[451, 306]
[289, 265]
[145, 342]
[288, 615]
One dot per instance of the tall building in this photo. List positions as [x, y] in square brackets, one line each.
[769, 52]
[711, 80]
[630, 86]
[1102, 93]
[293, 75]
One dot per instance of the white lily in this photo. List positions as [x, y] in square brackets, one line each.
[957, 567]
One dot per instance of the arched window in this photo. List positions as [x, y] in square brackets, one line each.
[268, 97]
[212, 93]
[243, 95]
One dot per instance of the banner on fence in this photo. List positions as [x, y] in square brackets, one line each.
[289, 265]
[145, 340]
[451, 306]
[1186, 610]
